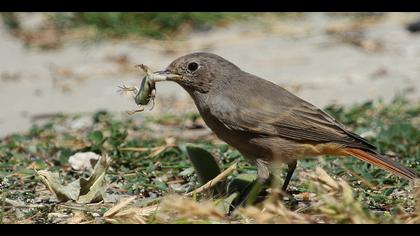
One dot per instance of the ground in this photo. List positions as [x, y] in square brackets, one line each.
[303, 54]
[64, 101]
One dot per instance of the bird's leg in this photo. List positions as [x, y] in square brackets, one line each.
[290, 169]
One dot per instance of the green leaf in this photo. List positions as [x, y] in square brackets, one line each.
[95, 137]
[204, 164]
[226, 203]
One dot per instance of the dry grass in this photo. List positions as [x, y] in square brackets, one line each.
[334, 203]
[159, 181]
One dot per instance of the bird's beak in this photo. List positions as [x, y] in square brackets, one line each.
[164, 75]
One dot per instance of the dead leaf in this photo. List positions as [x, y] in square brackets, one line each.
[93, 189]
[63, 193]
[81, 190]
[95, 192]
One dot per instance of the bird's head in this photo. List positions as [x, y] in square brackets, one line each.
[197, 71]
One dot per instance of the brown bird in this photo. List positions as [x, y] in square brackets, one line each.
[265, 122]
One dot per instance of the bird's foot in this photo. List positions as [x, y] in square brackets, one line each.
[288, 198]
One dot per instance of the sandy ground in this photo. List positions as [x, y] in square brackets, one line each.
[82, 77]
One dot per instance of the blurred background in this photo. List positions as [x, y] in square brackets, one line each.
[73, 63]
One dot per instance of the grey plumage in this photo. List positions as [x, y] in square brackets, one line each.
[264, 121]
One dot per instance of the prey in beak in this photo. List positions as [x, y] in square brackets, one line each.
[147, 90]
[164, 75]
[158, 75]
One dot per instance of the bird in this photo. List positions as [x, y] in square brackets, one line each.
[265, 122]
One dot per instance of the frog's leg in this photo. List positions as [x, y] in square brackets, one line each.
[152, 97]
[144, 68]
[140, 109]
[124, 89]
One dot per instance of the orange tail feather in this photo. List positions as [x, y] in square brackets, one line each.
[383, 162]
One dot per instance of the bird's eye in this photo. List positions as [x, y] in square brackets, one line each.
[192, 66]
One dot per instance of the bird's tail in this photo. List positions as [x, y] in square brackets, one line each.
[383, 162]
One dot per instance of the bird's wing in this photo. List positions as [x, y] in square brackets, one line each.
[277, 112]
